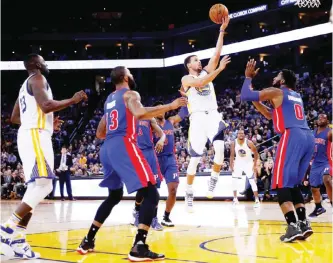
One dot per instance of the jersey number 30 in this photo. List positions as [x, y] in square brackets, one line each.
[298, 112]
[113, 120]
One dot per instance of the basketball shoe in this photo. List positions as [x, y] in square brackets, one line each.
[22, 249]
[293, 232]
[140, 252]
[211, 186]
[86, 246]
[135, 219]
[6, 234]
[156, 225]
[305, 228]
[189, 201]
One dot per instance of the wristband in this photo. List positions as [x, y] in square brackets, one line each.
[221, 30]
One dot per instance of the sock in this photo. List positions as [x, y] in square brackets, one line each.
[13, 220]
[189, 188]
[301, 213]
[290, 217]
[155, 215]
[318, 205]
[257, 199]
[214, 174]
[141, 236]
[21, 231]
[92, 232]
[166, 215]
[137, 206]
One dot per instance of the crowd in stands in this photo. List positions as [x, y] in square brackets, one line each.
[84, 148]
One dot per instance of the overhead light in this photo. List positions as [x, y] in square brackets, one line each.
[40, 48]
[52, 51]
[74, 51]
[13, 52]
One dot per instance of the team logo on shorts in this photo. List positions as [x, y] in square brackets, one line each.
[241, 153]
[205, 91]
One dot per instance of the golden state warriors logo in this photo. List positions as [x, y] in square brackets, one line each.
[205, 91]
[241, 153]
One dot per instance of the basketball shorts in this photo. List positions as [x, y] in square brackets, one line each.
[204, 126]
[169, 168]
[243, 167]
[292, 158]
[124, 163]
[152, 160]
[318, 170]
[36, 152]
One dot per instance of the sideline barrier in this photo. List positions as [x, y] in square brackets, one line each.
[266, 41]
[88, 187]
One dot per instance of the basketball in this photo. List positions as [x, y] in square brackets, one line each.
[217, 12]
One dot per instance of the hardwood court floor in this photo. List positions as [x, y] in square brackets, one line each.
[215, 232]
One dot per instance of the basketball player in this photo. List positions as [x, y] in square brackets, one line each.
[244, 163]
[205, 121]
[33, 110]
[123, 161]
[295, 148]
[321, 164]
[167, 159]
[146, 145]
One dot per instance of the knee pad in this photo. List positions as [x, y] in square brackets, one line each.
[253, 185]
[192, 166]
[219, 152]
[150, 194]
[297, 196]
[284, 195]
[37, 191]
[115, 196]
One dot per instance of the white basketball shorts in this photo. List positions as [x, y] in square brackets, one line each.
[240, 167]
[204, 126]
[36, 152]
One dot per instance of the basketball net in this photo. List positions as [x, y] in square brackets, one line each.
[308, 3]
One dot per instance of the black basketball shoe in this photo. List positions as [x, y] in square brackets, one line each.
[293, 232]
[305, 228]
[86, 246]
[167, 222]
[140, 252]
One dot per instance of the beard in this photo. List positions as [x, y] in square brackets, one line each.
[131, 84]
[277, 84]
[45, 71]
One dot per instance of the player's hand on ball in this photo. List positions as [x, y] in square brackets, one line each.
[224, 62]
[177, 103]
[159, 146]
[57, 123]
[251, 71]
[79, 96]
[225, 23]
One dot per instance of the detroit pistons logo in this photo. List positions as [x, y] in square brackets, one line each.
[205, 91]
[241, 153]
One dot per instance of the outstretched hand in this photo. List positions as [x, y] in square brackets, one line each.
[250, 71]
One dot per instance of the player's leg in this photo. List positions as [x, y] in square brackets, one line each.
[316, 181]
[39, 165]
[252, 181]
[284, 179]
[172, 180]
[135, 172]
[327, 178]
[236, 178]
[114, 184]
[197, 140]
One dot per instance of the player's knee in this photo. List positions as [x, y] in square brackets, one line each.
[192, 166]
[327, 179]
[45, 184]
[219, 152]
[150, 194]
[115, 196]
[297, 196]
[284, 195]
[173, 190]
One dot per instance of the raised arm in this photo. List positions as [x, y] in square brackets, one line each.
[38, 86]
[212, 64]
[264, 110]
[232, 155]
[15, 118]
[101, 129]
[133, 103]
[189, 81]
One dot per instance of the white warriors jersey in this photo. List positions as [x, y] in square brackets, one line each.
[31, 115]
[201, 99]
[243, 152]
